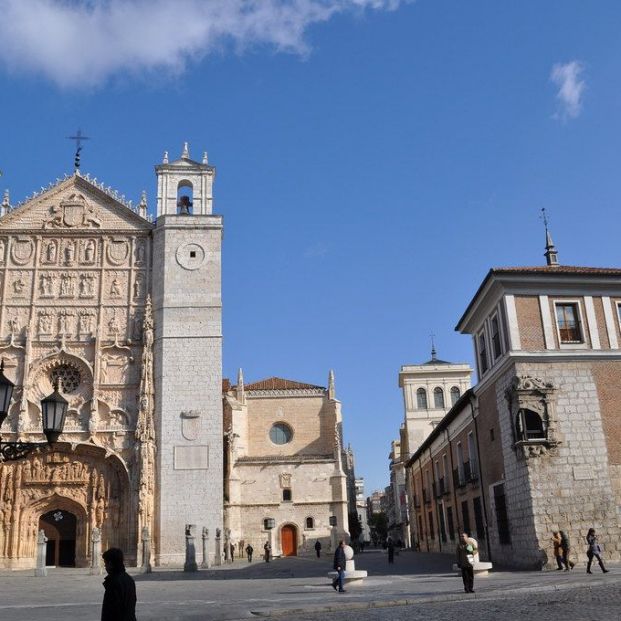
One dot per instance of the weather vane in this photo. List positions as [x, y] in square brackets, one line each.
[544, 217]
[79, 137]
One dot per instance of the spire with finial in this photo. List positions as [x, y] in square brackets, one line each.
[186, 151]
[434, 353]
[165, 158]
[142, 205]
[331, 385]
[550, 254]
[241, 394]
[205, 158]
[6, 204]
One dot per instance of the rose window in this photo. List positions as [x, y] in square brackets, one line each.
[67, 376]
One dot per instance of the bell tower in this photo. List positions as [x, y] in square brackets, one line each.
[187, 307]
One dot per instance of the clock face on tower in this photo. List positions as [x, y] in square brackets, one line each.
[190, 256]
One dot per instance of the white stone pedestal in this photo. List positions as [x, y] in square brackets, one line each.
[352, 574]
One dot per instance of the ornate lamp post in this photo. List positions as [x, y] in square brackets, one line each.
[53, 408]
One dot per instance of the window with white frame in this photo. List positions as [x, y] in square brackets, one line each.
[494, 326]
[421, 399]
[438, 397]
[482, 347]
[472, 452]
[568, 322]
[455, 394]
[619, 312]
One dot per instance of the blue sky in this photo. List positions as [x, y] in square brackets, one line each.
[375, 158]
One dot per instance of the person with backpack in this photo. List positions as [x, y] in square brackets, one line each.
[565, 548]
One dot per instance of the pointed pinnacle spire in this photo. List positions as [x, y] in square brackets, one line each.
[165, 158]
[331, 385]
[551, 253]
[142, 205]
[186, 151]
[205, 158]
[6, 204]
[434, 353]
[241, 393]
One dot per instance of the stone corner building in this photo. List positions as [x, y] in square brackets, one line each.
[126, 314]
[535, 446]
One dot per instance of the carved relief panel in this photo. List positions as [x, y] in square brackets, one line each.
[15, 320]
[115, 286]
[117, 251]
[22, 251]
[19, 285]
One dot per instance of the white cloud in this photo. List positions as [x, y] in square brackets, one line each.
[85, 42]
[570, 89]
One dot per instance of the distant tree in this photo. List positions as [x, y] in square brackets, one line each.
[355, 528]
[379, 526]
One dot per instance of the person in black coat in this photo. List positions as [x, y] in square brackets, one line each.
[391, 550]
[339, 567]
[318, 548]
[249, 551]
[119, 602]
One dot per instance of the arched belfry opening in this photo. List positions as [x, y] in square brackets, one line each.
[185, 198]
[184, 186]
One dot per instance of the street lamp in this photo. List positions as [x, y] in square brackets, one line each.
[53, 409]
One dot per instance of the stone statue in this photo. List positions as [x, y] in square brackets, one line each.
[50, 252]
[115, 288]
[89, 251]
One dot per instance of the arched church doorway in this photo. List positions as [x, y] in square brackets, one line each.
[60, 528]
[289, 540]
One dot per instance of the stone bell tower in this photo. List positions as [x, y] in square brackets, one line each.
[187, 310]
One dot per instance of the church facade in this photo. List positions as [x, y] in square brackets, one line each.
[125, 314]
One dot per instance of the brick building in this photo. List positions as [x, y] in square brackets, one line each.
[535, 446]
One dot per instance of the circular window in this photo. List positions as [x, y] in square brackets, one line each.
[281, 433]
[67, 376]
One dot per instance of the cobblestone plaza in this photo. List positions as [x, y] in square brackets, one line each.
[416, 586]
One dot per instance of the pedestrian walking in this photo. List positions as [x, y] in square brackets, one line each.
[565, 548]
[339, 567]
[232, 549]
[391, 550]
[318, 548]
[119, 602]
[594, 550]
[267, 548]
[249, 551]
[465, 561]
[556, 542]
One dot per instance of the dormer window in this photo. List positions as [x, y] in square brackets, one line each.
[568, 321]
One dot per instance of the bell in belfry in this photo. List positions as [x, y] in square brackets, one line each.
[184, 203]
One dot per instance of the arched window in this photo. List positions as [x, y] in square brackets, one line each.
[184, 198]
[310, 522]
[421, 399]
[454, 395]
[438, 397]
[529, 426]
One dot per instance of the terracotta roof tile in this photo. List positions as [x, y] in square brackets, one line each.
[277, 383]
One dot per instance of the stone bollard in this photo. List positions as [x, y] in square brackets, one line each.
[190, 549]
[96, 551]
[217, 559]
[41, 569]
[205, 563]
[146, 550]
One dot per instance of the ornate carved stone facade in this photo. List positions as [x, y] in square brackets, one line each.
[77, 276]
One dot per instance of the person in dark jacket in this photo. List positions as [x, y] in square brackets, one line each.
[465, 561]
[318, 548]
[594, 550]
[390, 544]
[249, 551]
[565, 548]
[339, 567]
[119, 602]
[267, 549]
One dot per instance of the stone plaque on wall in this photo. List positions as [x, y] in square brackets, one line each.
[191, 457]
[583, 473]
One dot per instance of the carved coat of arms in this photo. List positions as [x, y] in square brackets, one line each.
[73, 212]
